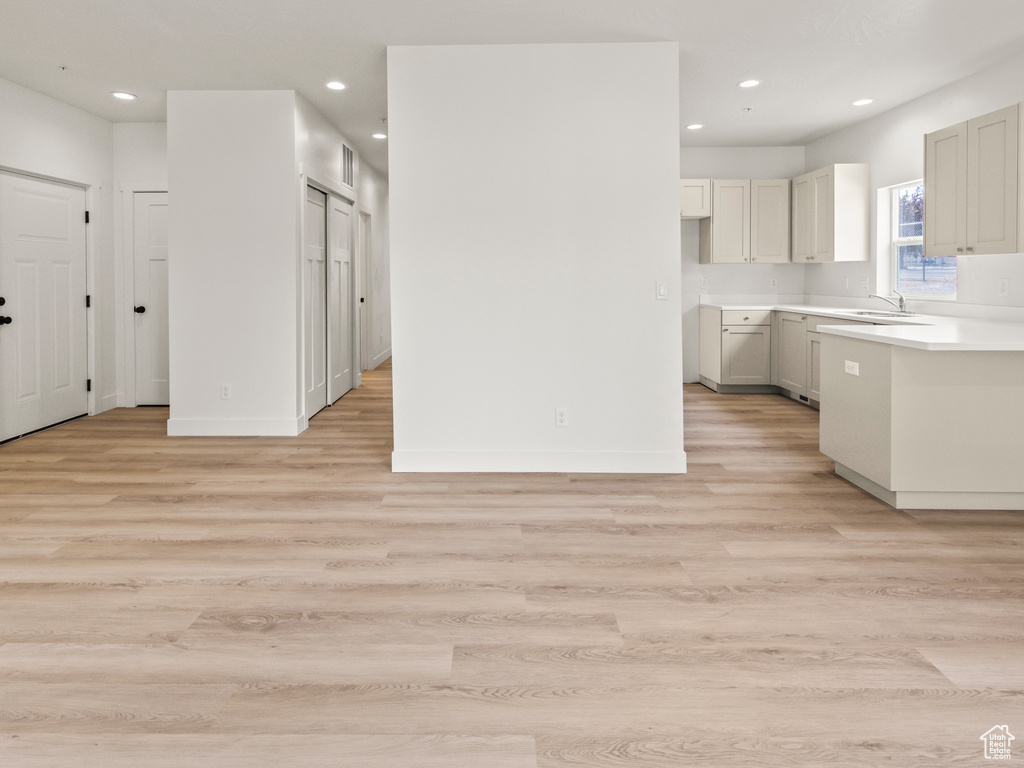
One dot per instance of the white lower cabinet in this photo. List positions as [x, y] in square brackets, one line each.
[762, 350]
[735, 349]
[747, 354]
[813, 366]
[792, 353]
[797, 361]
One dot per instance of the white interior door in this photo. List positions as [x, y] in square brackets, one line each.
[152, 360]
[43, 338]
[340, 305]
[365, 292]
[314, 288]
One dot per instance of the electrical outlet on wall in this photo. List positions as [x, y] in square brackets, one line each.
[561, 417]
[225, 391]
[773, 282]
[1004, 286]
[864, 283]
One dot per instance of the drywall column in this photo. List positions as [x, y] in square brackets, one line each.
[534, 210]
[233, 266]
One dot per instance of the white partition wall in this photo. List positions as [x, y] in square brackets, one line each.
[534, 214]
[233, 272]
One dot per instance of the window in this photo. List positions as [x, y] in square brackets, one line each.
[914, 273]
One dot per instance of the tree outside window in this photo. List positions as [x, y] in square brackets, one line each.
[917, 274]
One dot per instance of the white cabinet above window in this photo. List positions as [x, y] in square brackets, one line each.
[971, 175]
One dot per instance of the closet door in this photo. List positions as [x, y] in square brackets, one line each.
[314, 300]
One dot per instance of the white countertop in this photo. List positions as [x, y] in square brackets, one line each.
[931, 332]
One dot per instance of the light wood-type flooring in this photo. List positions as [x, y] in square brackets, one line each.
[271, 602]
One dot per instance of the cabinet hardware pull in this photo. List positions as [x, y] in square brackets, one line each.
[970, 249]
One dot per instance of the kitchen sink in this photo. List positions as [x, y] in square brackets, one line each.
[882, 313]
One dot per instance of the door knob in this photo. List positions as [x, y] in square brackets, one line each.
[140, 310]
[2, 301]
[5, 321]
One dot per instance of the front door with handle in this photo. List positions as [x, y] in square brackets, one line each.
[43, 334]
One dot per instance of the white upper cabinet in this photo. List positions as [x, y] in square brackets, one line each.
[730, 223]
[694, 198]
[971, 174]
[749, 222]
[831, 214]
[769, 221]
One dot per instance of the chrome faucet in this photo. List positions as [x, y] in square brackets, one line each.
[901, 305]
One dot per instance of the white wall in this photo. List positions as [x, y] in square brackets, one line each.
[893, 143]
[534, 206]
[731, 282]
[233, 268]
[45, 137]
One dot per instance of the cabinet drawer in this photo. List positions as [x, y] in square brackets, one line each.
[813, 321]
[746, 317]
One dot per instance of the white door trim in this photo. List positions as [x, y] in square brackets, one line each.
[124, 311]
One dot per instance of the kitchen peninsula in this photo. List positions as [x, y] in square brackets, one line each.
[923, 412]
[927, 416]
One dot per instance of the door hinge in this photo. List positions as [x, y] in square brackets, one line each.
[88, 301]
[88, 385]
[86, 217]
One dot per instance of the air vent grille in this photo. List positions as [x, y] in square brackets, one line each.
[347, 172]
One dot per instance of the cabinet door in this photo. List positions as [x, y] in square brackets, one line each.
[710, 355]
[730, 224]
[802, 218]
[945, 191]
[823, 228]
[769, 221]
[992, 182]
[746, 354]
[793, 352]
[814, 366]
[694, 198]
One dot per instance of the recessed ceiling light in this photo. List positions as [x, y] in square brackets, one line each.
[862, 102]
[749, 83]
[694, 127]
[123, 95]
[380, 135]
[335, 85]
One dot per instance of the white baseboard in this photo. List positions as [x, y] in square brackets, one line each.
[911, 500]
[380, 358]
[646, 462]
[235, 427]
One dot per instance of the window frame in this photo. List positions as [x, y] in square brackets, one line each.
[896, 241]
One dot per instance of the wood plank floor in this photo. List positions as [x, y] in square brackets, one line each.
[289, 602]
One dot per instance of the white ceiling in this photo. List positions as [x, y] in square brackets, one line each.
[814, 56]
